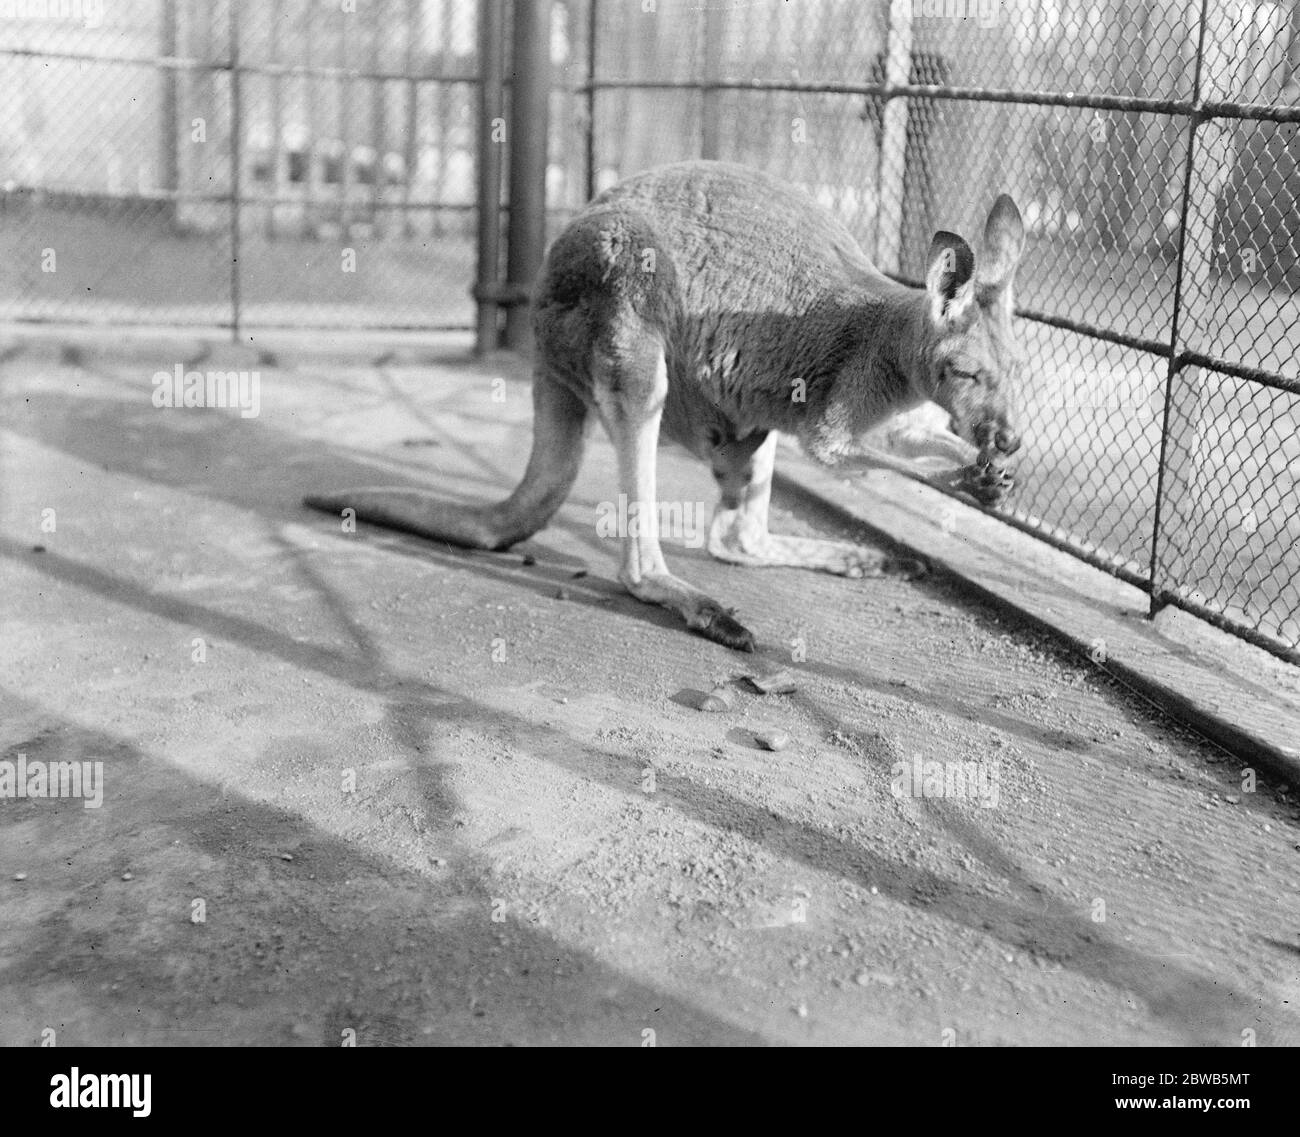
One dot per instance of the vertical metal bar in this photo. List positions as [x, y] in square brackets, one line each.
[711, 101]
[170, 101]
[444, 93]
[277, 118]
[236, 160]
[591, 99]
[378, 116]
[893, 139]
[412, 152]
[1193, 123]
[491, 66]
[529, 119]
[343, 123]
[312, 182]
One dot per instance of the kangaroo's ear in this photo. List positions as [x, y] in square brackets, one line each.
[1004, 241]
[950, 266]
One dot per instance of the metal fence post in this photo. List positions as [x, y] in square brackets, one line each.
[530, 92]
[170, 116]
[236, 154]
[893, 139]
[592, 33]
[491, 53]
[1182, 427]
[715, 25]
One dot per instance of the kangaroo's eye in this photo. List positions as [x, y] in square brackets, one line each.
[969, 376]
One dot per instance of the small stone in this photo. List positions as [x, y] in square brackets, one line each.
[127, 876]
[777, 683]
[719, 699]
[23, 875]
[862, 979]
[1231, 800]
[772, 739]
[286, 856]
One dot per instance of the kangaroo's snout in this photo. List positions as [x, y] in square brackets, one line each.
[997, 434]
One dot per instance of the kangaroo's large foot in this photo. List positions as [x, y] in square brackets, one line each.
[702, 613]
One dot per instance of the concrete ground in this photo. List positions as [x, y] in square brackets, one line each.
[363, 782]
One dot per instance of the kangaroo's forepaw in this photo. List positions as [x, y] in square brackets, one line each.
[987, 481]
[722, 628]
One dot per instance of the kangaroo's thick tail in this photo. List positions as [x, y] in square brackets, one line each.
[559, 418]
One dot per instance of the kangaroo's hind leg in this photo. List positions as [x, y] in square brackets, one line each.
[743, 469]
[630, 381]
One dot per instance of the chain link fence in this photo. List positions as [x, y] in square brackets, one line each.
[235, 163]
[1151, 146]
[310, 163]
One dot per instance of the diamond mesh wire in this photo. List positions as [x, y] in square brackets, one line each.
[354, 132]
[1203, 516]
[354, 127]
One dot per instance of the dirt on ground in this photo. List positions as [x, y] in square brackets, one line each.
[360, 782]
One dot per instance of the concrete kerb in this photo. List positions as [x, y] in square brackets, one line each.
[1233, 694]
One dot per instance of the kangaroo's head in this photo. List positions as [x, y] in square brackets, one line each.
[970, 355]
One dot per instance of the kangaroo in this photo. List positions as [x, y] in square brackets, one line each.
[724, 306]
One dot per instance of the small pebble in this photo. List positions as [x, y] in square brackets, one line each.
[127, 876]
[719, 699]
[20, 876]
[778, 683]
[286, 856]
[772, 739]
